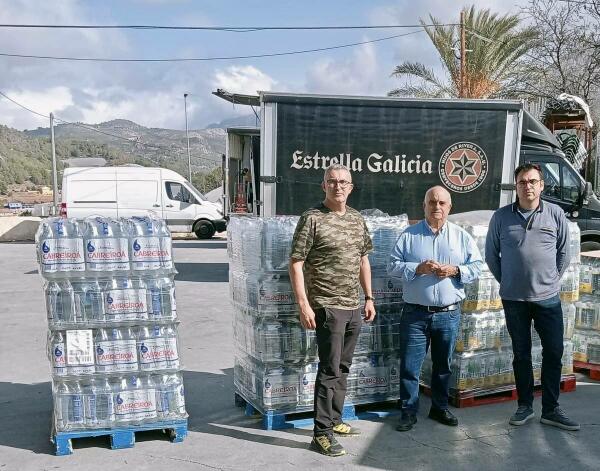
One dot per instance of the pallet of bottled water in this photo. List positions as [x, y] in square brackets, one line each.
[276, 359]
[113, 341]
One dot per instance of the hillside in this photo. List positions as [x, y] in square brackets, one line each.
[25, 156]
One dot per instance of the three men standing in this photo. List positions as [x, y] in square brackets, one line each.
[434, 259]
[527, 252]
[328, 262]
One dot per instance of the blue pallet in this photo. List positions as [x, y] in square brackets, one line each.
[277, 420]
[123, 437]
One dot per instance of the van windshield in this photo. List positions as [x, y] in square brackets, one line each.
[195, 191]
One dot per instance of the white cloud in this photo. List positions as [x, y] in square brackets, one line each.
[43, 101]
[356, 75]
[243, 79]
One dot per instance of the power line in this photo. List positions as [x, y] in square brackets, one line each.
[234, 29]
[91, 128]
[199, 59]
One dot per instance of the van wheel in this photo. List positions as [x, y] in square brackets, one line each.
[590, 245]
[204, 230]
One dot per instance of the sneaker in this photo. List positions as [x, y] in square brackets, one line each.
[523, 414]
[557, 418]
[327, 445]
[345, 430]
[406, 422]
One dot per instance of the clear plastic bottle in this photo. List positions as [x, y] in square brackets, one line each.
[105, 412]
[161, 293]
[170, 396]
[124, 352]
[60, 302]
[59, 245]
[151, 349]
[106, 245]
[125, 299]
[135, 400]
[150, 245]
[171, 347]
[58, 354]
[104, 351]
[89, 300]
[90, 405]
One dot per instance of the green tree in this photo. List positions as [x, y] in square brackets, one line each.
[495, 46]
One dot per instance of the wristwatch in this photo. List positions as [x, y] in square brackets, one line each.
[369, 298]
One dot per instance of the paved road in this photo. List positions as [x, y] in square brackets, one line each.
[220, 436]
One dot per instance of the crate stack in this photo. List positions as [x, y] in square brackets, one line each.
[482, 361]
[586, 338]
[276, 359]
[112, 329]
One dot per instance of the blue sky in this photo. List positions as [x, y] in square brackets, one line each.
[151, 94]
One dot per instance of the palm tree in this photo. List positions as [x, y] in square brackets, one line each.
[494, 44]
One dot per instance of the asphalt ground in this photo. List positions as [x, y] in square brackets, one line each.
[220, 436]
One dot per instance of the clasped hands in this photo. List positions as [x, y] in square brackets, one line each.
[430, 267]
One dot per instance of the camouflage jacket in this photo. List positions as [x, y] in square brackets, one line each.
[331, 246]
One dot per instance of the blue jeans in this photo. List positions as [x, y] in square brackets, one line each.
[548, 322]
[418, 330]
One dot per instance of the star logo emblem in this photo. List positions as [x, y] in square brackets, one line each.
[462, 167]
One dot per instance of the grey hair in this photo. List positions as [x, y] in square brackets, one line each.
[333, 167]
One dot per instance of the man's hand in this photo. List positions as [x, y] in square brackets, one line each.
[369, 311]
[446, 271]
[307, 317]
[428, 267]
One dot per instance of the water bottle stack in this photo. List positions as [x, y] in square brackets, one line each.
[112, 317]
[586, 336]
[482, 361]
[276, 359]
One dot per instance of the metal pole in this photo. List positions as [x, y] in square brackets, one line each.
[461, 92]
[188, 138]
[54, 172]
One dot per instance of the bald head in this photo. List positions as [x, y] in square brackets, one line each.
[437, 190]
[436, 205]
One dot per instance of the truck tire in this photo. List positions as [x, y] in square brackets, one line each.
[589, 245]
[204, 230]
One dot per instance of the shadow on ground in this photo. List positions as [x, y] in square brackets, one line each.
[202, 272]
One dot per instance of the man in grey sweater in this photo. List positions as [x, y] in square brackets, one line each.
[527, 252]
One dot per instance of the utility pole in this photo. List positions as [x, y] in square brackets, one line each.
[54, 172]
[463, 58]
[188, 138]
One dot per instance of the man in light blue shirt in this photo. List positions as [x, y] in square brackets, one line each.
[434, 259]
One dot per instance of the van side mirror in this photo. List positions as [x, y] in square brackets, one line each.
[587, 192]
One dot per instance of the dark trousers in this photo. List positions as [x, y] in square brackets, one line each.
[337, 333]
[548, 322]
[418, 330]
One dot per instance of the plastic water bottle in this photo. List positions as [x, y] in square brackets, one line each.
[150, 245]
[106, 245]
[68, 405]
[171, 347]
[76, 413]
[103, 348]
[60, 248]
[151, 349]
[58, 354]
[89, 300]
[103, 392]
[135, 400]
[60, 302]
[90, 405]
[161, 303]
[308, 376]
[126, 299]
[124, 349]
[170, 396]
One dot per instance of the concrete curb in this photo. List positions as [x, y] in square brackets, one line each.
[18, 228]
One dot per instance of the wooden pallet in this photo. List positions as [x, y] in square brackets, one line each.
[123, 437]
[479, 398]
[276, 420]
[592, 369]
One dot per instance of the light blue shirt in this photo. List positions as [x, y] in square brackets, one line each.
[452, 245]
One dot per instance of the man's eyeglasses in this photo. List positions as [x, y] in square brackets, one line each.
[525, 183]
[331, 183]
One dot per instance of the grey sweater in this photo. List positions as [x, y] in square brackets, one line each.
[528, 257]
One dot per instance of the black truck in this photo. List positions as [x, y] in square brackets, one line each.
[396, 149]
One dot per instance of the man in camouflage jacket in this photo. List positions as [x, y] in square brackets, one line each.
[328, 262]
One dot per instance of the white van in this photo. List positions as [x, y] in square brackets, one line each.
[135, 191]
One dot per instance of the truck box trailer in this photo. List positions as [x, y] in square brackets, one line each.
[396, 149]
